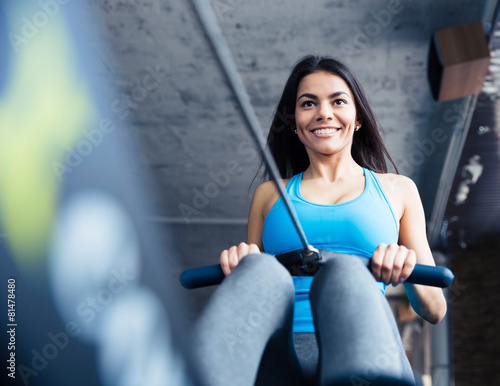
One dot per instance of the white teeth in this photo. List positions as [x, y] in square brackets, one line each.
[325, 131]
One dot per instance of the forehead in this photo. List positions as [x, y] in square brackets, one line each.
[322, 82]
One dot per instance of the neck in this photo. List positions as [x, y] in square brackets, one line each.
[332, 167]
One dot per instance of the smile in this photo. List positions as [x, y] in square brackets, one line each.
[325, 131]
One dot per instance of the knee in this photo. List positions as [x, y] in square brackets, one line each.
[344, 274]
[262, 262]
[347, 266]
[264, 266]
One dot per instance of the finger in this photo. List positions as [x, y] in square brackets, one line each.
[377, 260]
[397, 266]
[253, 248]
[409, 265]
[233, 258]
[224, 262]
[242, 251]
[387, 265]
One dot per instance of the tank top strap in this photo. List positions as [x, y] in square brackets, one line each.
[376, 189]
[373, 184]
[293, 186]
[370, 180]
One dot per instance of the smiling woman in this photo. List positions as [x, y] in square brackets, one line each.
[332, 160]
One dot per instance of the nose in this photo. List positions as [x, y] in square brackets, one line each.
[325, 112]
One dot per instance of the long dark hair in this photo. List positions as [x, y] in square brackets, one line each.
[368, 149]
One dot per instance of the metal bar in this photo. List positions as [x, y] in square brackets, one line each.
[453, 155]
[213, 32]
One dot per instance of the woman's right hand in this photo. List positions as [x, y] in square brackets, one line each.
[230, 258]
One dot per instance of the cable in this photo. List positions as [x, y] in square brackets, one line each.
[207, 18]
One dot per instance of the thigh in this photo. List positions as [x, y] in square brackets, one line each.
[357, 334]
[249, 307]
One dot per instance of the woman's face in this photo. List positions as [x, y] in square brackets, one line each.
[325, 114]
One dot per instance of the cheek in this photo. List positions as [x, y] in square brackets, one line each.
[302, 118]
[353, 115]
[298, 121]
[347, 120]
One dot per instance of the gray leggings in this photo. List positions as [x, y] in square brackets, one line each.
[244, 336]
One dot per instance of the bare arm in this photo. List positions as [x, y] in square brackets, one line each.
[428, 302]
[394, 263]
[264, 197]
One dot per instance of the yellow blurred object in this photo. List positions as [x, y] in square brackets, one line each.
[44, 108]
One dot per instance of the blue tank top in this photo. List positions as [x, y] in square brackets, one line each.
[353, 227]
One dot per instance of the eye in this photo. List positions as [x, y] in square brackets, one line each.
[339, 102]
[307, 104]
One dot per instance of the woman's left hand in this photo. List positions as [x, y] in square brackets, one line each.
[392, 263]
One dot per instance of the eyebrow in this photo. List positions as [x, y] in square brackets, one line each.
[312, 96]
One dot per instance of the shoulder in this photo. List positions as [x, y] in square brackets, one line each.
[266, 195]
[400, 190]
[265, 188]
[268, 190]
[397, 183]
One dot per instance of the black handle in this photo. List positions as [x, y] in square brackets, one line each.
[202, 276]
[432, 276]
[426, 275]
[422, 274]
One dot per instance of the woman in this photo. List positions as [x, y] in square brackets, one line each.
[332, 161]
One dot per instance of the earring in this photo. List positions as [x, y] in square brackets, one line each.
[295, 131]
[357, 128]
